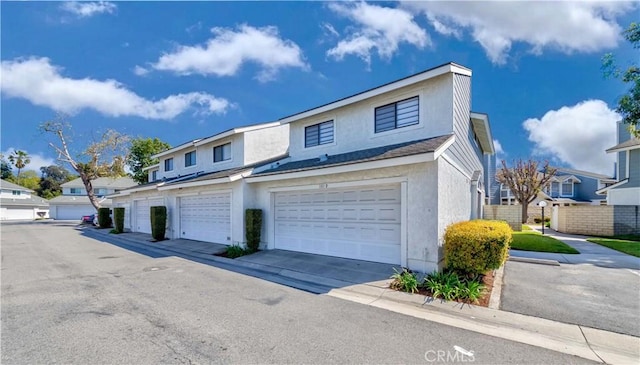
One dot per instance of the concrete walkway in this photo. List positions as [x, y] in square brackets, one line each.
[593, 344]
[590, 253]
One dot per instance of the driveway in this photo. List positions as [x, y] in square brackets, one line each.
[68, 298]
[583, 294]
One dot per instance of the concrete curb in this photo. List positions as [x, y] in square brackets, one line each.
[592, 344]
[496, 291]
[534, 261]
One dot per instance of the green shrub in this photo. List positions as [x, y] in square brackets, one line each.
[104, 220]
[404, 280]
[449, 286]
[118, 217]
[234, 251]
[537, 220]
[253, 227]
[158, 222]
[475, 247]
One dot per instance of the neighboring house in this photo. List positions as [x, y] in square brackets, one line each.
[201, 182]
[19, 203]
[626, 190]
[376, 176]
[566, 187]
[74, 202]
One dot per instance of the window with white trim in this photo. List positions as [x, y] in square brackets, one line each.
[222, 153]
[317, 134]
[397, 115]
[555, 188]
[100, 191]
[567, 188]
[168, 164]
[16, 192]
[154, 175]
[190, 159]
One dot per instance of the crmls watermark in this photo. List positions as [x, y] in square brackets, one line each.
[447, 356]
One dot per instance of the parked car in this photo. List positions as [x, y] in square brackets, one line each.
[90, 219]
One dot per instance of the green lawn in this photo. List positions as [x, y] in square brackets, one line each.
[534, 241]
[526, 228]
[629, 246]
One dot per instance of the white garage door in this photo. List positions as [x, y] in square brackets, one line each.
[206, 218]
[143, 214]
[73, 212]
[16, 213]
[359, 223]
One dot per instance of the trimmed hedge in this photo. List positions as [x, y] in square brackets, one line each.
[475, 247]
[253, 227]
[158, 222]
[118, 217]
[104, 220]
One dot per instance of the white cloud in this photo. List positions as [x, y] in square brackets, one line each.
[228, 50]
[41, 83]
[567, 26]
[379, 28]
[140, 71]
[577, 135]
[85, 9]
[37, 160]
[498, 147]
[329, 30]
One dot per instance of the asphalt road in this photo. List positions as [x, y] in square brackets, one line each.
[586, 295]
[67, 298]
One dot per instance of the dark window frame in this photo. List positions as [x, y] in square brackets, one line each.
[168, 161]
[313, 134]
[380, 111]
[191, 160]
[221, 156]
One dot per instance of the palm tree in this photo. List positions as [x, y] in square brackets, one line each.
[19, 159]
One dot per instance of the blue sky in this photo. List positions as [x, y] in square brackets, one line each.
[185, 70]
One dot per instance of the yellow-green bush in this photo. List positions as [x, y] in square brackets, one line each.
[474, 247]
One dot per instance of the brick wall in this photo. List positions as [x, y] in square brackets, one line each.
[512, 214]
[594, 220]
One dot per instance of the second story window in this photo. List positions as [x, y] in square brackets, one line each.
[555, 187]
[75, 191]
[101, 191]
[318, 134]
[154, 175]
[168, 164]
[190, 159]
[16, 192]
[397, 115]
[222, 153]
[567, 188]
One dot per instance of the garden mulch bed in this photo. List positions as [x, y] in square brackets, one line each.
[483, 301]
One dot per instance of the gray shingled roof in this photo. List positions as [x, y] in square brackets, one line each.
[103, 182]
[371, 154]
[76, 199]
[633, 142]
[4, 184]
[33, 201]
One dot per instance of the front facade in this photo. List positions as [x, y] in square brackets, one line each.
[20, 203]
[626, 190]
[377, 176]
[74, 202]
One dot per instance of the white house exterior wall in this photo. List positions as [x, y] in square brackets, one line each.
[204, 159]
[418, 186]
[354, 124]
[261, 144]
[463, 150]
[622, 196]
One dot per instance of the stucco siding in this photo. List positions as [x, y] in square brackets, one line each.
[205, 156]
[464, 150]
[622, 165]
[265, 143]
[454, 197]
[354, 125]
[420, 205]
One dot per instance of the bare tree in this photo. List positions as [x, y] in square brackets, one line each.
[104, 157]
[525, 179]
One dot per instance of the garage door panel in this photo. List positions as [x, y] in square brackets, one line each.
[73, 212]
[143, 213]
[360, 223]
[206, 217]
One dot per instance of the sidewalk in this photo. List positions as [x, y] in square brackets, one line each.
[590, 253]
[593, 344]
